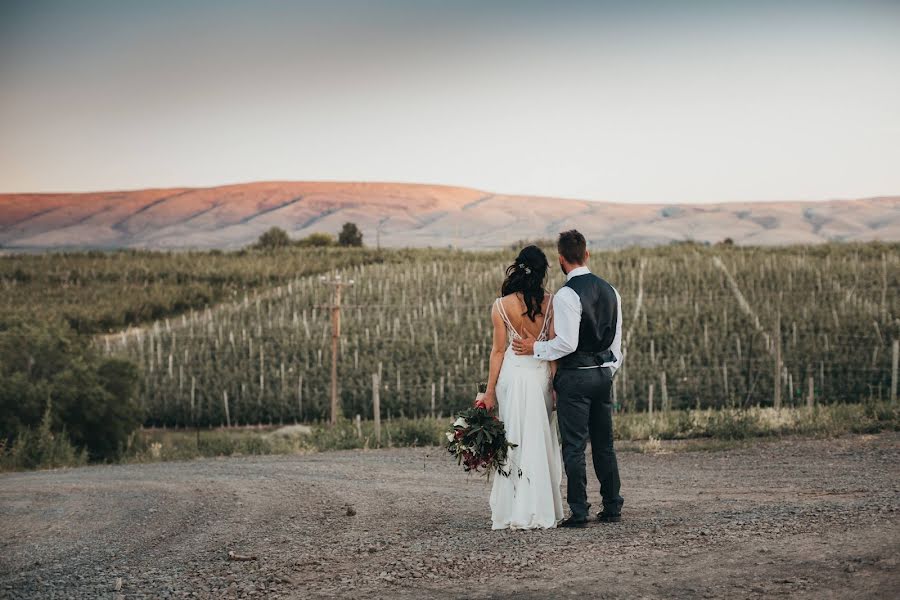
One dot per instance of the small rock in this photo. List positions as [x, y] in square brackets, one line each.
[351, 512]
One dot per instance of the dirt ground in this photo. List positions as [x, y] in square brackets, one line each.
[797, 517]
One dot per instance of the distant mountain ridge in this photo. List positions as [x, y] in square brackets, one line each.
[233, 216]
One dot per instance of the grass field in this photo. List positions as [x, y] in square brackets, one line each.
[639, 431]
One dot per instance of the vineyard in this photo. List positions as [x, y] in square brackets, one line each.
[704, 327]
[96, 292]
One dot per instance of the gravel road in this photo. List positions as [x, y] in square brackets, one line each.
[797, 517]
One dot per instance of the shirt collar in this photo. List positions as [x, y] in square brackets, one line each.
[576, 272]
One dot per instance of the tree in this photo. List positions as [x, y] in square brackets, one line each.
[317, 240]
[350, 235]
[276, 237]
[93, 397]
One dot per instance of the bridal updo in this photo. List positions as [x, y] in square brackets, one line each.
[526, 275]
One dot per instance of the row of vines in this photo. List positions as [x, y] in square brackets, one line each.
[703, 327]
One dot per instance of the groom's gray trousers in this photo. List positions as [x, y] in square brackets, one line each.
[584, 409]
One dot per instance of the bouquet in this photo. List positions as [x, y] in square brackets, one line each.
[477, 438]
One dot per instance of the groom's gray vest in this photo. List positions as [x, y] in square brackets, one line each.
[599, 314]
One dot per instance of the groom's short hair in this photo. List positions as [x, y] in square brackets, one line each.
[572, 246]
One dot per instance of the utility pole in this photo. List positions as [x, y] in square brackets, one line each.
[376, 405]
[338, 284]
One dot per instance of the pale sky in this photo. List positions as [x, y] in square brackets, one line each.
[653, 101]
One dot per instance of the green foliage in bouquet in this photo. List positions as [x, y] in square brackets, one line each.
[477, 439]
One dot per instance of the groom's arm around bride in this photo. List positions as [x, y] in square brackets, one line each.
[588, 349]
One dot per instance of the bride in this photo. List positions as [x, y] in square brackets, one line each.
[521, 387]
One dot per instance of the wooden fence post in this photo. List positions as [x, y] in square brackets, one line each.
[227, 413]
[777, 399]
[193, 391]
[791, 389]
[725, 384]
[650, 401]
[895, 357]
[810, 398]
[376, 406]
[664, 392]
[432, 399]
[300, 397]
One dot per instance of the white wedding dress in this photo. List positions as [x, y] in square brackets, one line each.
[525, 405]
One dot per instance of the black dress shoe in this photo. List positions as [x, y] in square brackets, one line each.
[574, 522]
[608, 518]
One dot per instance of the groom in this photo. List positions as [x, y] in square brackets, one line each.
[588, 348]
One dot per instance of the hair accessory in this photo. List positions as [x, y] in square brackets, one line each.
[527, 269]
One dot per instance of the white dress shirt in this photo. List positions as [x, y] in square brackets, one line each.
[567, 322]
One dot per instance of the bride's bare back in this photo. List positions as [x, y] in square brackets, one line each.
[509, 321]
[512, 311]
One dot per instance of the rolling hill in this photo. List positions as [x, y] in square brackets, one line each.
[415, 215]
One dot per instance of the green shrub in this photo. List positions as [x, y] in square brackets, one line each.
[93, 397]
[185, 444]
[739, 424]
[276, 237]
[416, 432]
[41, 448]
[394, 433]
[733, 425]
[316, 240]
[342, 436]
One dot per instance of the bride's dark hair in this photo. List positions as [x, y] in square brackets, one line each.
[526, 275]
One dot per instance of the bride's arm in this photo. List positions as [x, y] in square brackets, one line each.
[498, 349]
[550, 335]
